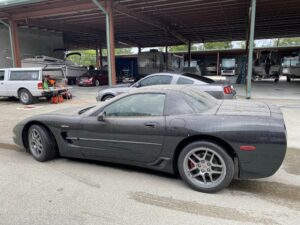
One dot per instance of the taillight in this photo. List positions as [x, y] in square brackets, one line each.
[228, 90]
[40, 85]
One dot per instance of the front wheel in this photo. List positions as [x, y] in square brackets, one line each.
[97, 83]
[205, 166]
[41, 143]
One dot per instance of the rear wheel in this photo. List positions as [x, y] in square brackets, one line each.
[107, 97]
[205, 166]
[42, 144]
[26, 97]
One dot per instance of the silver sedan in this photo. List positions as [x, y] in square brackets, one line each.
[218, 89]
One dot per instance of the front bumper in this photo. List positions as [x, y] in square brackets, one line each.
[18, 136]
[98, 98]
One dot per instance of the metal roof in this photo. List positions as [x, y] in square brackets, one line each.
[149, 23]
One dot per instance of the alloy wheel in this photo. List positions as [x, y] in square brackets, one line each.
[35, 143]
[204, 167]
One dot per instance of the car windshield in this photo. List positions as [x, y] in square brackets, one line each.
[200, 78]
[290, 62]
[228, 63]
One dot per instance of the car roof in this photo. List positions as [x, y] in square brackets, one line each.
[185, 75]
[164, 89]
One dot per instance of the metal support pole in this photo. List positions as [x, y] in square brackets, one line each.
[140, 49]
[97, 59]
[166, 57]
[189, 54]
[218, 63]
[109, 40]
[11, 42]
[15, 43]
[100, 57]
[250, 53]
[112, 41]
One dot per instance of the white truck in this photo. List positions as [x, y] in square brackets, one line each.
[27, 84]
[228, 67]
[291, 67]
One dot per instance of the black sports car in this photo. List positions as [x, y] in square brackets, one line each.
[174, 129]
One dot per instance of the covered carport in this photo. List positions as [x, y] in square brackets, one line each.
[94, 24]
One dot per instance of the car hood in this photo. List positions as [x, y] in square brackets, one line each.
[72, 110]
[244, 108]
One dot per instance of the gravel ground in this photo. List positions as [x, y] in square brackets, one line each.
[66, 191]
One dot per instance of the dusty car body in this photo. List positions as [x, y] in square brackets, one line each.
[218, 89]
[167, 128]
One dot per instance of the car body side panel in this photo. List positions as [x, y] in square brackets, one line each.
[236, 131]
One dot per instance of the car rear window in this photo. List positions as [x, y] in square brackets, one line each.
[54, 73]
[200, 78]
[182, 80]
[24, 75]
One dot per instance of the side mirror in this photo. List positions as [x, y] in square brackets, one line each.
[101, 116]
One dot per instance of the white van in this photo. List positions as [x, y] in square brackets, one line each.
[27, 83]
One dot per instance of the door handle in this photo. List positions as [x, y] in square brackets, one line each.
[150, 124]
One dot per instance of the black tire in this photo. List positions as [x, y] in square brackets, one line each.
[97, 83]
[26, 97]
[220, 155]
[49, 148]
[288, 78]
[107, 97]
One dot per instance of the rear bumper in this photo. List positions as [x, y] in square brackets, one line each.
[51, 93]
[269, 155]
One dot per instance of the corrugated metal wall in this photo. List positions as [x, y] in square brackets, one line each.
[32, 42]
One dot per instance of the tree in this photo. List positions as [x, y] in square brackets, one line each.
[123, 51]
[218, 45]
[88, 57]
[289, 41]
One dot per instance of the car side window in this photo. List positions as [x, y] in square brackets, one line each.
[137, 105]
[24, 75]
[156, 80]
[1, 75]
[184, 81]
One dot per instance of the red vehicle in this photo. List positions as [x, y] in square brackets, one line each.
[93, 78]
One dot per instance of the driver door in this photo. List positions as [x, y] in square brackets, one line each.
[133, 128]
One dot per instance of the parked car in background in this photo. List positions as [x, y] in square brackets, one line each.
[29, 84]
[211, 69]
[93, 78]
[218, 89]
[290, 67]
[167, 128]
